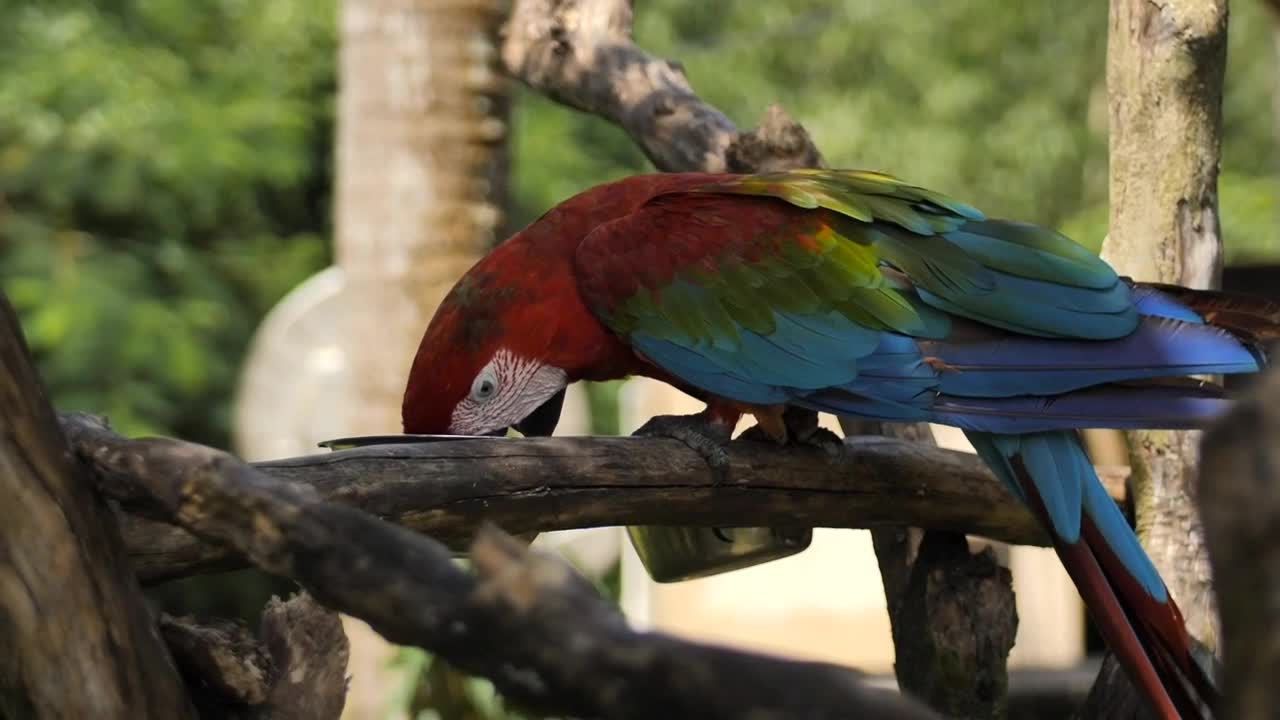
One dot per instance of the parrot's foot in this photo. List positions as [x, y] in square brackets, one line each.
[802, 429]
[701, 433]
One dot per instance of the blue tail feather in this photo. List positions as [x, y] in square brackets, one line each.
[1119, 407]
[1151, 302]
[1115, 529]
[1067, 486]
[1008, 365]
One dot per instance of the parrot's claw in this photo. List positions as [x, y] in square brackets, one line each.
[802, 429]
[705, 437]
[822, 438]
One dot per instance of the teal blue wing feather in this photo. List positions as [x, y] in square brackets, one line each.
[959, 261]
[854, 292]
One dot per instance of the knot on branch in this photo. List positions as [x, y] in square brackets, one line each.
[954, 626]
[779, 143]
[294, 668]
[221, 657]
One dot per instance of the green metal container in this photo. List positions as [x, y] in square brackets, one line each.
[672, 553]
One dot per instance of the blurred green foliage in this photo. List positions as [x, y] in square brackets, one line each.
[164, 179]
[431, 689]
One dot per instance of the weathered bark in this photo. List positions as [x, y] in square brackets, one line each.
[1165, 64]
[579, 53]
[1240, 502]
[309, 652]
[78, 638]
[221, 659]
[449, 489]
[420, 181]
[526, 620]
[952, 612]
[582, 55]
[294, 668]
[954, 626]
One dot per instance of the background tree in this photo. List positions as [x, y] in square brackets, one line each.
[419, 197]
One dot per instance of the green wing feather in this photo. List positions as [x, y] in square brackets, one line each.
[858, 194]
[952, 253]
[742, 267]
[805, 268]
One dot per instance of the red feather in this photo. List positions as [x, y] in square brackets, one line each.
[1149, 638]
[525, 296]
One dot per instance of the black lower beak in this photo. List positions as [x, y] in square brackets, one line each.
[542, 422]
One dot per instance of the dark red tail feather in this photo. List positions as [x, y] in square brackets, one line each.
[1249, 317]
[1148, 638]
[1162, 628]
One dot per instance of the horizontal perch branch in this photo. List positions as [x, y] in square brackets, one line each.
[447, 489]
[524, 620]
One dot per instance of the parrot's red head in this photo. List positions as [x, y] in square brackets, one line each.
[484, 363]
[503, 345]
[515, 331]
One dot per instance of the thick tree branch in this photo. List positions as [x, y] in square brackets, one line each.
[526, 620]
[527, 485]
[78, 639]
[1240, 502]
[952, 612]
[580, 53]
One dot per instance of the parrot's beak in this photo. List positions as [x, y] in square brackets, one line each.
[542, 422]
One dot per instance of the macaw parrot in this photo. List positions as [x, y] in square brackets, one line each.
[854, 293]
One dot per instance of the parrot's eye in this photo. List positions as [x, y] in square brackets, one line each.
[510, 391]
[485, 385]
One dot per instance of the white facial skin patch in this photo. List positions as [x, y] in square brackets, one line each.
[504, 392]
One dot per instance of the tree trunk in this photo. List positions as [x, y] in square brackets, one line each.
[420, 177]
[419, 194]
[1165, 65]
[78, 638]
[1164, 75]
